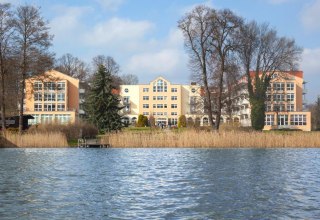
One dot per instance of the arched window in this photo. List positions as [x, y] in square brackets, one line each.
[205, 121]
[236, 119]
[160, 86]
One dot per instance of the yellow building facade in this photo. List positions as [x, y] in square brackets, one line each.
[161, 99]
[52, 97]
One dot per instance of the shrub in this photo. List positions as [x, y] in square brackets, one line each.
[142, 121]
[182, 121]
[72, 131]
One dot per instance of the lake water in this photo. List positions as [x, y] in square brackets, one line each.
[159, 184]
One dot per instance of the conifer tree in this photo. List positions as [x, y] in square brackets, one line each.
[102, 104]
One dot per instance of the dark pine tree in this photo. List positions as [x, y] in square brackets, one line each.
[102, 105]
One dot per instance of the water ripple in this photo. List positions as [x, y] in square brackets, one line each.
[159, 184]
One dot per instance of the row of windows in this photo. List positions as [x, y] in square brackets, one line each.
[160, 113]
[49, 107]
[280, 108]
[157, 89]
[49, 86]
[281, 86]
[160, 106]
[49, 96]
[297, 119]
[281, 97]
[47, 118]
[160, 98]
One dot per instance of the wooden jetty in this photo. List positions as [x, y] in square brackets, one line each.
[91, 143]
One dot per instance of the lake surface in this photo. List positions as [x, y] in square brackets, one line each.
[159, 184]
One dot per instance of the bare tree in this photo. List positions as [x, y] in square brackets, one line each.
[6, 54]
[111, 65]
[266, 53]
[196, 28]
[225, 25]
[129, 79]
[72, 66]
[32, 42]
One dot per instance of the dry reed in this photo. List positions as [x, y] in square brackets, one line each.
[36, 140]
[204, 139]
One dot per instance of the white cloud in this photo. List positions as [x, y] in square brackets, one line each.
[67, 25]
[118, 31]
[310, 16]
[110, 4]
[310, 61]
[166, 58]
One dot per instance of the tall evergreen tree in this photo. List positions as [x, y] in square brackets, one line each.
[102, 105]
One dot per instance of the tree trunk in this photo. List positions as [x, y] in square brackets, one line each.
[3, 109]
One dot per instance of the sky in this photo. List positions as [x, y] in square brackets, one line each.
[142, 35]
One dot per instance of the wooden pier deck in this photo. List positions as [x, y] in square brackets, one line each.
[91, 143]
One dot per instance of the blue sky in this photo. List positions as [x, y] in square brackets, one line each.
[143, 38]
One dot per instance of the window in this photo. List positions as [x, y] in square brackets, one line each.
[127, 108]
[145, 105]
[160, 86]
[174, 98]
[49, 86]
[193, 90]
[174, 106]
[159, 97]
[269, 97]
[282, 119]
[154, 97]
[174, 113]
[290, 86]
[49, 96]
[154, 106]
[145, 97]
[61, 86]
[126, 90]
[174, 90]
[37, 86]
[37, 96]
[290, 107]
[126, 99]
[49, 107]
[290, 97]
[46, 118]
[63, 118]
[278, 97]
[278, 108]
[159, 105]
[145, 89]
[269, 120]
[165, 106]
[145, 113]
[61, 107]
[174, 121]
[268, 108]
[37, 107]
[298, 119]
[60, 97]
[159, 113]
[278, 86]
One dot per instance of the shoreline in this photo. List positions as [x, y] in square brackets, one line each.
[173, 139]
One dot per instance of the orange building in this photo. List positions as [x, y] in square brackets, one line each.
[284, 105]
[53, 97]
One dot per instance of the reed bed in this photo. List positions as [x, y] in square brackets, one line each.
[35, 140]
[204, 139]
